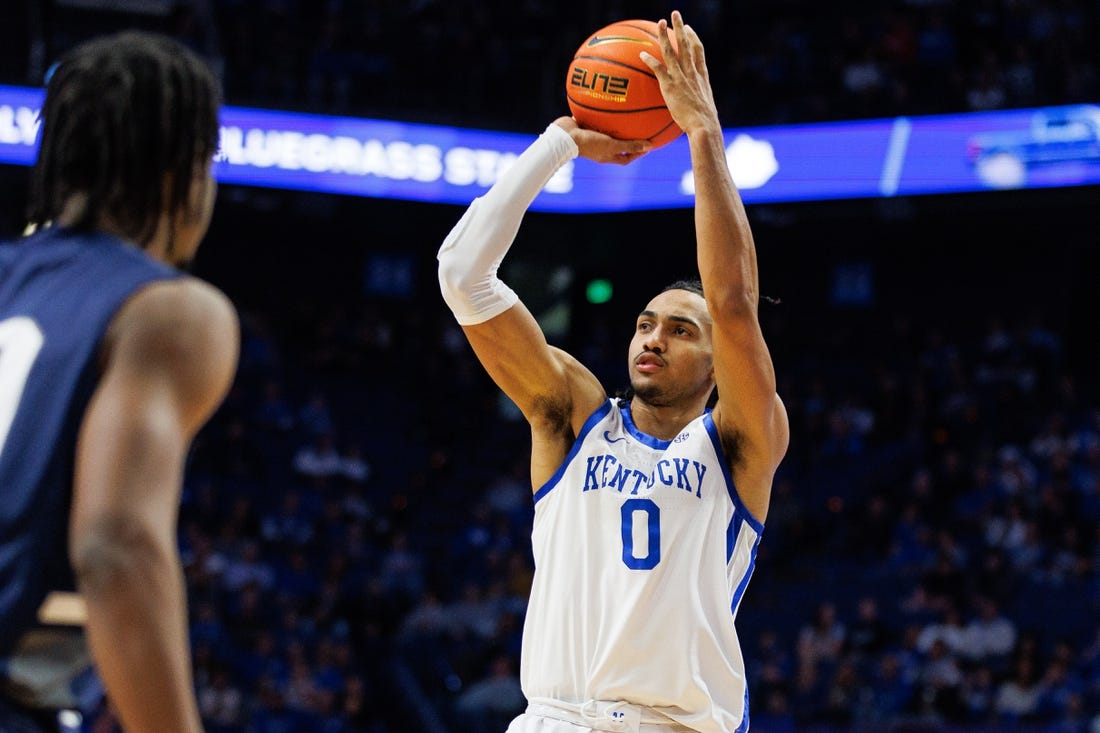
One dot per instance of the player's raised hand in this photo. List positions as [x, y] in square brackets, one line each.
[684, 80]
[603, 148]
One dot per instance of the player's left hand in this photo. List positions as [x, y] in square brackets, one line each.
[684, 80]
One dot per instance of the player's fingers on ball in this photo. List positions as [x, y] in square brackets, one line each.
[665, 42]
[678, 28]
[692, 41]
[695, 48]
[688, 46]
[652, 62]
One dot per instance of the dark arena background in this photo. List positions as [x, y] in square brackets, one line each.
[355, 525]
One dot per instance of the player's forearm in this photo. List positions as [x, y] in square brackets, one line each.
[137, 626]
[502, 207]
[726, 252]
[475, 247]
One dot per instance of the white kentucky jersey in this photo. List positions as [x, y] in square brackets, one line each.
[642, 553]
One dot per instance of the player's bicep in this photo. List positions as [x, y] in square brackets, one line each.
[129, 454]
[748, 406]
[513, 350]
[170, 357]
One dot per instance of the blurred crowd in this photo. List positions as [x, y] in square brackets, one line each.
[356, 535]
[505, 62]
[502, 63]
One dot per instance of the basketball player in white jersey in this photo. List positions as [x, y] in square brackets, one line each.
[647, 513]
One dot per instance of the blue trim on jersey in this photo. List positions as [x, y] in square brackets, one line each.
[643, 438]
[737, 594]
[732, 532]
[743, 728]
[600, 413]
[739, 507]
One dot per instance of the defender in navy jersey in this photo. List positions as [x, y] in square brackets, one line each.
[648, 512]
[110, 361]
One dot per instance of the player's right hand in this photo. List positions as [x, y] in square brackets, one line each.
[603, 148]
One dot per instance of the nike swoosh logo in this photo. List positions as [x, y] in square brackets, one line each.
[597, 40]
[609, 439]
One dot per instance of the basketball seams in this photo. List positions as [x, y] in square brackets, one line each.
[671, 126]
[637, 110]
[612, 114]
[641, 28]
[671, 123]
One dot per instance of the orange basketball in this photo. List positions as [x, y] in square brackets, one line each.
[612, 91]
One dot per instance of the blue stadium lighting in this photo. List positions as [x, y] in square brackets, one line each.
[1011, 149]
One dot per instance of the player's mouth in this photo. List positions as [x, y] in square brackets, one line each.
[648, 363]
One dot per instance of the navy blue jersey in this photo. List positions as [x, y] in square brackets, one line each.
[59, 290]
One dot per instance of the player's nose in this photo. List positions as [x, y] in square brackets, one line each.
[654, 341]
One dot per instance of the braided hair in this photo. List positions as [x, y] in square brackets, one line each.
[123, 114]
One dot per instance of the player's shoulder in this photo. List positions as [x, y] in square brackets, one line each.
[184, 302]
[181, 334]
[182, 317]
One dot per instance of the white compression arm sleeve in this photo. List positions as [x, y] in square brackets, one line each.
[472, 252]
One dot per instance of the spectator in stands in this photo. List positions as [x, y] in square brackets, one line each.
[868, 635]
[488, 704]
[402, 568]
[319, 458]
[949, 629]
[990, 636]
[221, 704]
[291, 524]
[940, 683]
[890, 693]
[354, 467]
[1018, 696]
[315, 417]
[821, 641]
[247, 569]
[274, 414]
[977, 695]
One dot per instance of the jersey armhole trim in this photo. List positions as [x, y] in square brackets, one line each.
[723, 460]
[593, 419]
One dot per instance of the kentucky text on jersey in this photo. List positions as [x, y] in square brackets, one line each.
[603, 471]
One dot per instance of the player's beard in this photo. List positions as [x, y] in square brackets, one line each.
[659, 393]
[651, 394]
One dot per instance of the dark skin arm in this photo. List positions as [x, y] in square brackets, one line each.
[170, 356]
[749, 415]
[553, 390]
